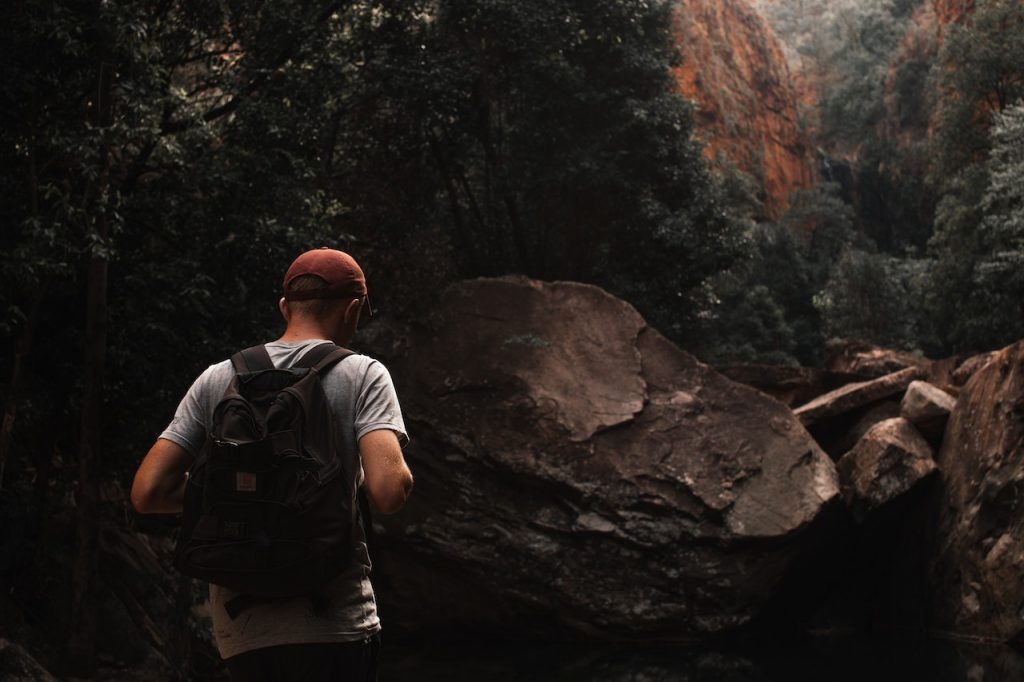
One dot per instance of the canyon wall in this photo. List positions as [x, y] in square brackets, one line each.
[734, 69]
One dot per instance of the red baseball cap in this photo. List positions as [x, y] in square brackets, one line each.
[342, 275]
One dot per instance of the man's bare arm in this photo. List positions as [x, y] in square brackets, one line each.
[159, 485]
[388, 479]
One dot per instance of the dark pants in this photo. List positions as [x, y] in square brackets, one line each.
[341, 662]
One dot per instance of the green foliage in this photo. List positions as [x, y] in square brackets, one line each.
[980, 73]
[828, 224]
[163, 126]
[548, 140]
[1000, 269]
[864, 41]
[874, 298]
[210, 142]
[764, 311]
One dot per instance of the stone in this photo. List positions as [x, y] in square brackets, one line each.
[927, 407]
[886, 463]
[18, 665]
[855, 395]
[978, 554]
[579, 475]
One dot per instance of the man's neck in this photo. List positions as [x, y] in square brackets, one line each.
[303, 333]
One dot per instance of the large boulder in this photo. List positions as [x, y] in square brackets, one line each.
[978, 562]
[577, 474]
[890, 460]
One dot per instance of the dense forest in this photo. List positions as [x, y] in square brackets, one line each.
[165, 159]
[913, 108]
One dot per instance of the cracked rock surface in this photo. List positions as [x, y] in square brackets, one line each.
[577, 474]
[888, 461]
[978, 563]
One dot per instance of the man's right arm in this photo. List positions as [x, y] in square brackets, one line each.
[159, 484]
[388, 479]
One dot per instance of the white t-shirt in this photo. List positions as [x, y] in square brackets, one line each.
[363, 397]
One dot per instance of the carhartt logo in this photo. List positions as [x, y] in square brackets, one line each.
[245, 482]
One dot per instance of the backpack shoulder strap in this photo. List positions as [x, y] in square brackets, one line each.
[252, 359]
[322, 356]
[314, 355]
[333, 358]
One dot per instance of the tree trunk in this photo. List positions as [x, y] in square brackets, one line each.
[17, 378]
[81, 651]
[24, 343]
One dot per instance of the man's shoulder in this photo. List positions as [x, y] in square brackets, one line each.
[215, 377]
[356, 367]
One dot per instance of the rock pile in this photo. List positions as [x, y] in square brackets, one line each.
[882, 432]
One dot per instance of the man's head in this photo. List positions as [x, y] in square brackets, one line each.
[324, 288]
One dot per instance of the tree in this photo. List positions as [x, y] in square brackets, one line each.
[113, 118]
[872, 297]
[1000, 270]
[865, 39]
[979, 73]
[166, 157]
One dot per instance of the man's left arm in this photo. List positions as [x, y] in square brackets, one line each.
[159, 485]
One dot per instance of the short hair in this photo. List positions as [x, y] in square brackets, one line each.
[313, 307]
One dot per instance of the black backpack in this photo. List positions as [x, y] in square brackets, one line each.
[271, 500]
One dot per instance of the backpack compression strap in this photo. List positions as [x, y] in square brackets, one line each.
[252, 359]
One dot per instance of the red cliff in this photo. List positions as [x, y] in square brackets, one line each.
[747, 104]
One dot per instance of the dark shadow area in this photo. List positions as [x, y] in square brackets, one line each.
[838, 659]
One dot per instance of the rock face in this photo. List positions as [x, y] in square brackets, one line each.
[927, 408]
[979, 556]
[887, 462]
[734, 69]
[577, 474]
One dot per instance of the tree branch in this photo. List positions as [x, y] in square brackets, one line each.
[274, 70]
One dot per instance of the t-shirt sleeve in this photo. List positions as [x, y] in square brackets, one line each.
[377, 405]
[189, 426]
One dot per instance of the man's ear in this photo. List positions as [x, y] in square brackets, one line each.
[352, 310]
[282, 305]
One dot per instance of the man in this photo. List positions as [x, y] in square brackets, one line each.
[335, 636]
